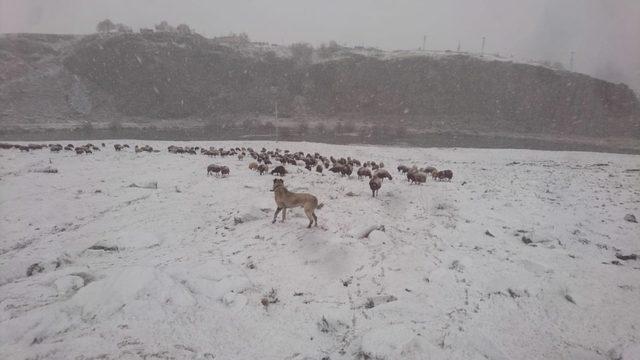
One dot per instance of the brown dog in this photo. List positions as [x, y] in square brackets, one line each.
[287, 199]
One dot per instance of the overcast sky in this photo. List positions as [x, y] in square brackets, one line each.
[604, 34]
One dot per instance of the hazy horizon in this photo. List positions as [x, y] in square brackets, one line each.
[604, 35]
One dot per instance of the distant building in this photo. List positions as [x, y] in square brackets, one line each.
[146, 31]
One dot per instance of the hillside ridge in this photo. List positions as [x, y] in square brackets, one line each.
[58, 80]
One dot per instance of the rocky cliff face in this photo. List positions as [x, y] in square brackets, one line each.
[172, 76]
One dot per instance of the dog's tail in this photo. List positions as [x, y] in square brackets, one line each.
[320, 206]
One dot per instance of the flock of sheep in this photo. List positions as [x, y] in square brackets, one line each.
[376, 172]
[343, 166]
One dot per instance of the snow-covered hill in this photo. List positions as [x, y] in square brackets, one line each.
[115, 80]
[195, 270]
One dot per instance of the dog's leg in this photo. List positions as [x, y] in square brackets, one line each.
[284, 213]
[276, 214]
[309, 214]
[315, 218]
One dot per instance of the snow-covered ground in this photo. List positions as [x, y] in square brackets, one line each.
[197, 257]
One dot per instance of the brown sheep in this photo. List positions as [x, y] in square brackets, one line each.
[213, 168]
[410, 176]
[319, 169]
[383, 173]
[364, 171]
[444, 174]
[55, 148]
[413, 170]
[418, 177]
[262, 168]
[279, 170]
[138, 149]
[337, 168]
[375, 184]
[346, 170]
[224, 170]
[403, 169]
[253, 166]
[430, 170]
[35, 146]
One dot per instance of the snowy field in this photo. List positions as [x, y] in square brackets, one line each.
[195, 270]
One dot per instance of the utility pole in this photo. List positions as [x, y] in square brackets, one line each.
[274, 92]
[458, 46]
[276, 120]
[482, 50]
[424, 42]
[571, 61]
